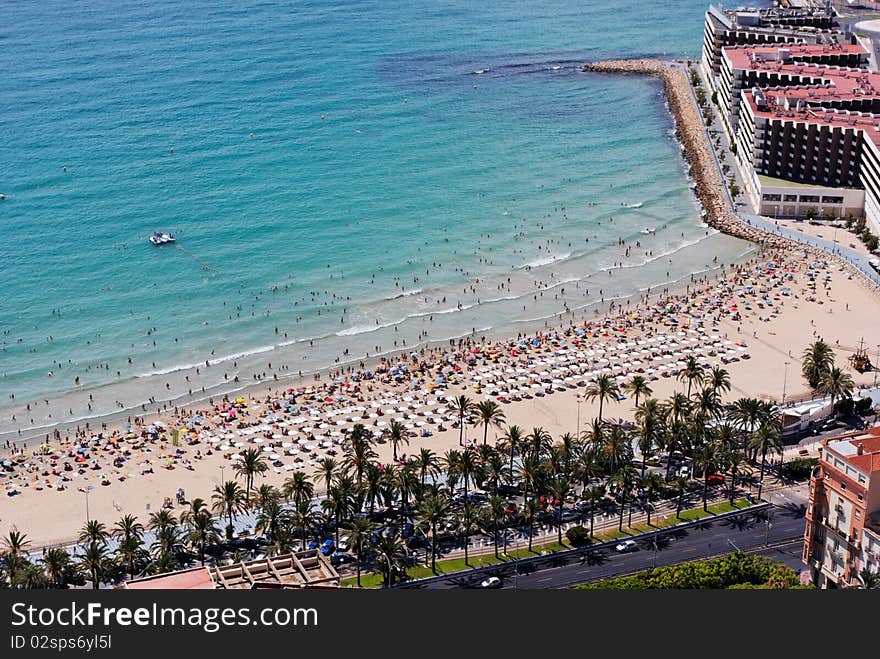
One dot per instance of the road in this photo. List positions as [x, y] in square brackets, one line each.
[710, 538]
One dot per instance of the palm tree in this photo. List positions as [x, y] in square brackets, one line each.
[390, 548]
[397, 435]
[250, 464]
[94, 562]
[327, 469]
[299, 487]
[128, 527]
[648, 433]
[678, 407]
[94, 531]
[228, 499]
[538, 442]
[463, 406]
[706, 455]
[604, 388]
[161, 521]
[719, 380]
[513, 440]
[817, 360]
[765, 439]
[638, 386]
[426, 462]
[201, 531]
[361, 453]
[734, 460]
[560, 490]
[433, 510]
[56, 562]
[360, 531]
[490, 414]
[15, 545]
[836, 383]
[468, 512]
[271, 519]
[129, 533]
[496, 510]
[691, 373]
[531, 507]
[594, 495]
[264, 496]
[681, 482]
[707, 403]
[650, 484]
[302, 517]
[869, 580]
[623, 479]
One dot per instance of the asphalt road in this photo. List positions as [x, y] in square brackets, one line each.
[745, 532]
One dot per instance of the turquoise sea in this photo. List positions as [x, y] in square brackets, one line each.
[339, 175]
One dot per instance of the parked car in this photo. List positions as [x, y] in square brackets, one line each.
[491, 582]
[715, 479]
[626, 546]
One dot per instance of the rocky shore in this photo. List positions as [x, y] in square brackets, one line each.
[709, 184]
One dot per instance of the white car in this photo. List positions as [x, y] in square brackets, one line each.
[626, 546]
[491, 582]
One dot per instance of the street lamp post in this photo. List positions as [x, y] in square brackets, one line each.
[222, 467]
[580, 400]
[784, 382]
[769, 525]
[88, 519]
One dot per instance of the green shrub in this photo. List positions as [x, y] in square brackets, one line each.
[799, 468]
[844, 407]
[737, 569]
[864, 406]
[578, 536]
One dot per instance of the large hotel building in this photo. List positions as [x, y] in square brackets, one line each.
[801, 107]
[842, 534]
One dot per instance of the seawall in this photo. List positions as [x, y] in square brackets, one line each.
[710, 186]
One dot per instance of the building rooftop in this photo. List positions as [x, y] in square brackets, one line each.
[305, 569]
[860, 449]
[776, 106]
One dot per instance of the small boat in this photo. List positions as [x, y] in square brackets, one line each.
[648, 230]
[160, 238]
[2, 196]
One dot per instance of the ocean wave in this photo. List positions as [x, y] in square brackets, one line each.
[366, 329]
[415, 291]
[176, 368]
[547, 260]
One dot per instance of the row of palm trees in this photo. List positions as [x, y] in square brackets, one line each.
[432, 500]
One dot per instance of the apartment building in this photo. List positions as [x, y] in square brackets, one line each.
[763, 26]
[842, 533]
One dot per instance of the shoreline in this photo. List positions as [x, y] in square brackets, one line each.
[710, 187]
[278, 379]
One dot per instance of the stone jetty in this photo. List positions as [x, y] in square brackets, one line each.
[703, 169]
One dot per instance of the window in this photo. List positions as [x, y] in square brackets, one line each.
[832, 200]
[858, 516]
[771, 197]
[789, 197]
[808, 198]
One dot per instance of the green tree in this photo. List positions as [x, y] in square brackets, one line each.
[250, 464]
[299, 487]
[817, 360]
[638, 386]
[463, 407]
[836, 383]
[229, 499]
[360, 531]
[94, 562]
[490, 414]
[434, 510]
[397, 436]
[604, 388]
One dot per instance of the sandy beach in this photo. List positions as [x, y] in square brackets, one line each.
[760, 315]
[755, 319]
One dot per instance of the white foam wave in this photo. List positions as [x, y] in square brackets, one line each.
[547, 260]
